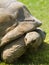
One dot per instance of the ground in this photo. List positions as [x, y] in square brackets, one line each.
[39, 9]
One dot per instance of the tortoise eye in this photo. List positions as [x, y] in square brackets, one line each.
[34, 41]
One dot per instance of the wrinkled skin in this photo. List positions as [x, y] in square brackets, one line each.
[14, 50]
[13, 27]
[18, 47]
[21, 29]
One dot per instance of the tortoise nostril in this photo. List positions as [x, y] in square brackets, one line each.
[25, 39]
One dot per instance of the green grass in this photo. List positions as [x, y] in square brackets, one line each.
[39, 9]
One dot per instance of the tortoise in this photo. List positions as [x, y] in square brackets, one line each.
[15, 23]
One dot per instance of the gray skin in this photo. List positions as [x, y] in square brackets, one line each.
[18, 47]
[14, 50]
[17, 32]
[35, 38]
